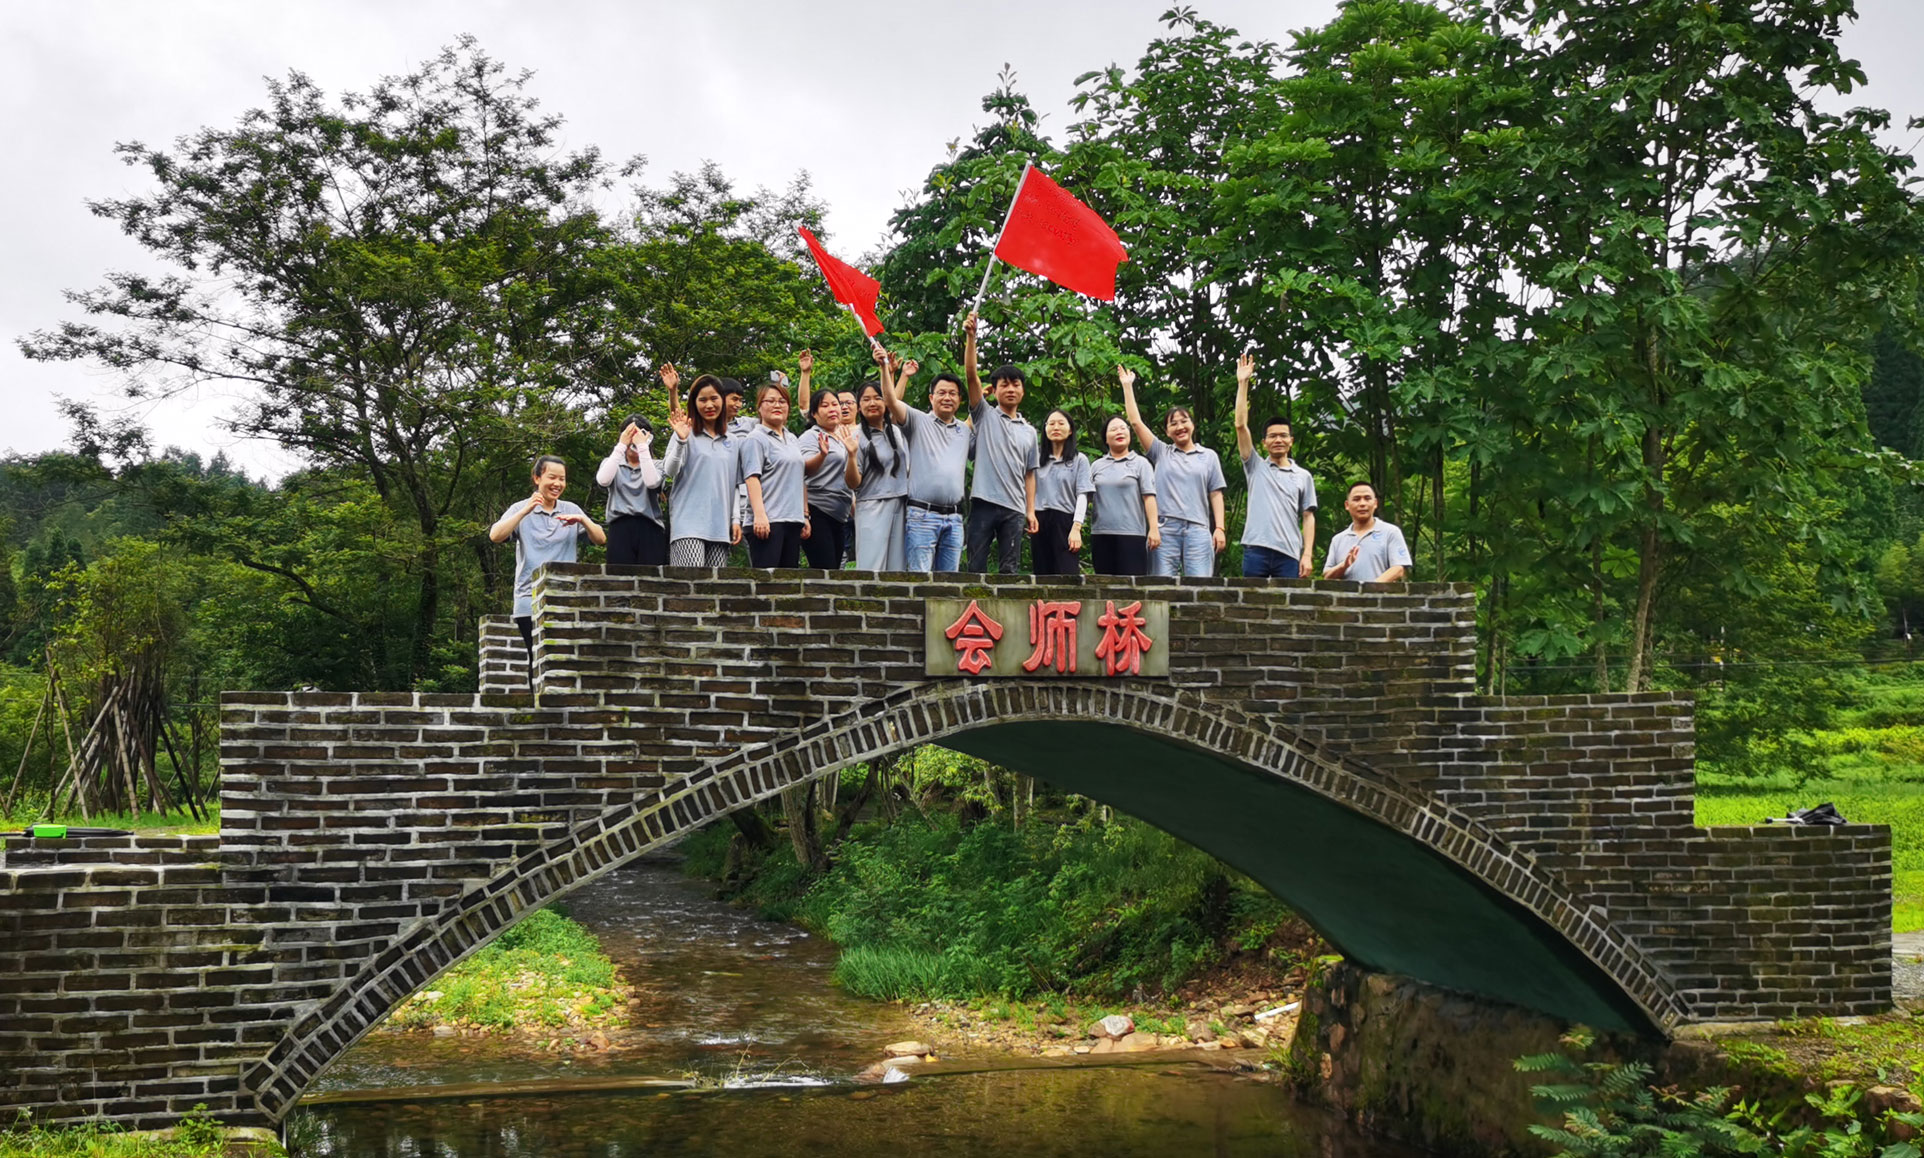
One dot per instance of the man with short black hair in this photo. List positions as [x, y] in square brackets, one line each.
[939, 445]
[1279, 532]
[1002, 494]
[1369, 550]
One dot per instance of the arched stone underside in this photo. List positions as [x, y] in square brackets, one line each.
[1327, 739]
[1429, 892]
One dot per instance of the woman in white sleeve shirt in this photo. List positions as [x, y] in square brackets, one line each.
[1062, 490]
[637, 535]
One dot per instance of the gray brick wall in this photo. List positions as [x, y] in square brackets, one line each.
[369, 841]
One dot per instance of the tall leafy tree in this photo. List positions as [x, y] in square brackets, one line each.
[400, 278]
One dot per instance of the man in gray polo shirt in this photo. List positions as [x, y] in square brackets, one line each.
[1279, 534]
[1002, 494]
[938, 451]
[1369, 550]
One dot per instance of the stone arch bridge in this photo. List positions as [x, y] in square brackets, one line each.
[1326, 738]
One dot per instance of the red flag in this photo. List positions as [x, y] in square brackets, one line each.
[1052, 234]
[851, 286]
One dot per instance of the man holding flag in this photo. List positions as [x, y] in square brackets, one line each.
[1002, 494]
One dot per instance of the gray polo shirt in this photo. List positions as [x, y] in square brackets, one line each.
[1058, 482]
[1278, 498]
[776, 457]
[541, 537]
[1380, 548]
[629, 495]
[827, 488]
[1121, 484]
[938, 457]
[1005, 454]
[875, 454]
[705, 470]
[1184, 480]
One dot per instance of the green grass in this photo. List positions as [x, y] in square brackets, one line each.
[197, 1136]
[179, 821]
[547, 971]
[1887, 1050]
[1898, 803]
[1871, 766]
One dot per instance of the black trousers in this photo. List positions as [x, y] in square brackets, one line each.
[1049, 547]
[992, 524]
[782, 548]
[637, 541]
[1120, 554]
[829, 539]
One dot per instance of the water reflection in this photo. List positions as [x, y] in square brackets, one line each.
[1116, 1113]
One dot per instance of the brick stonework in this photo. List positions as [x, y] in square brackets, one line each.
[369, 841]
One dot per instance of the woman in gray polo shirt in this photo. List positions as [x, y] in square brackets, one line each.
[771, 466]
[1125, 516]
[1189, 487]
[879, 471]
[1062, 490]
[637, 534]
[546, 529]
[826, 489]
[702, 461]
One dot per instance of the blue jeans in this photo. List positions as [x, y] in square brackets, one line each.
[932, 542]
[1263, 563]
[1187, 548]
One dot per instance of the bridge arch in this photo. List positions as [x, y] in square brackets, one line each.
[1396, 879]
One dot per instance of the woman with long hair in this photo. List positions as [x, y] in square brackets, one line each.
[702, 460]
[879, 471]
[1126, 528]
[830, 499]
[637, 533]
[1062, 490]
[546, 528]
[771, 465]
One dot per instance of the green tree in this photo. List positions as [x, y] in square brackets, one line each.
[402, 279]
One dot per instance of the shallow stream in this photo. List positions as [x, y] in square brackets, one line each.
[733, 1002]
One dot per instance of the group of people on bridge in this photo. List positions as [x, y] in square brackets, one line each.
[874, 479]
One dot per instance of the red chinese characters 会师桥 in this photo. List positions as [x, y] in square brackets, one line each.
[975, 636]
[1052, 633]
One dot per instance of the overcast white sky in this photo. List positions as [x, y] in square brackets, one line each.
[764, 88]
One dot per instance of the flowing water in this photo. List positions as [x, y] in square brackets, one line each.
[746, 1008]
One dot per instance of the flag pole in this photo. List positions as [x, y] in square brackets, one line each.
[984, 287]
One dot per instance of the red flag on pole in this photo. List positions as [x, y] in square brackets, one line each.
[851, 286]
[1052, 234]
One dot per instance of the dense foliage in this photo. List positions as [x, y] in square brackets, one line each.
[929, 906]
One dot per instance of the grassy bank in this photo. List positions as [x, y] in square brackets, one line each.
[197, 1136]
[32, 811]
[929, 907]
[1870, 764]
[546, 974]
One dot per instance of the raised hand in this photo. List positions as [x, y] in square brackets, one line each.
[968, 324]
[670, 377]
[875, 351]
[845, 434]
[1245, 368]
[680, 423]
[629, 434]
[805, 361]
[1127, 377]
[909, 367]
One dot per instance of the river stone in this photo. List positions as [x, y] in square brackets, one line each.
[906, 1049]
[1201, 1032]
[1116, 1025]
[1103, 1045]
[1137, 1043]
[1238, 1010]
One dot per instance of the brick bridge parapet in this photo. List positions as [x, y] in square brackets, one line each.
[370, 840]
